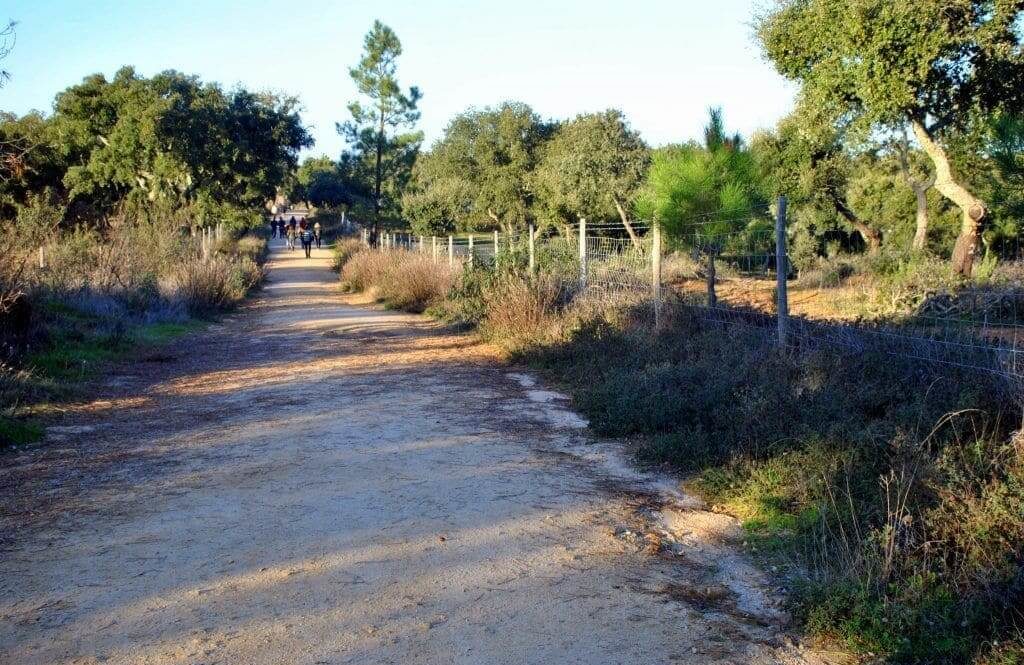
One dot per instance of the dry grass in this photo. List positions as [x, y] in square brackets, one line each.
[205, 286]
[365, 270]
[519, 311]
[414, 282]
[345, 249]
[404, 280]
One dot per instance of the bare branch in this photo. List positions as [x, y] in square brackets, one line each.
[8, 37]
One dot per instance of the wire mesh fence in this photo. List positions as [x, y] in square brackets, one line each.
[608, 259]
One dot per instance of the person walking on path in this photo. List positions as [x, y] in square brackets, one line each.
[307, 239]
[290, 236]
[317, 233]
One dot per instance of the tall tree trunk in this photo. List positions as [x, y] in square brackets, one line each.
[972, 208]
[378, 177]
[872, 237]
[625, 222]
[921, 226]
[920, 189]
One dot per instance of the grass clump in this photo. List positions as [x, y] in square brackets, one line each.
[344, 249]
[401, 279]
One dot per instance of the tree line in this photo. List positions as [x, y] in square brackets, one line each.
[906, 135]
[169, 140]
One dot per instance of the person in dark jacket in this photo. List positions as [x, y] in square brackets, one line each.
[306, 235]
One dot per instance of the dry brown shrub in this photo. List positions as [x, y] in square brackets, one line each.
[413, 282]
[522, 311]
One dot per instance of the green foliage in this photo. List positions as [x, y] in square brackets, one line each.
[1006, 180]
[167, 139]
[592, 167]
[809, 450]
[712, 188]
[879, 63]
[173, 137]
[18, 432]
[478, 174]
[381, 155]
[321, 182]
[30, 162]
[940, 67]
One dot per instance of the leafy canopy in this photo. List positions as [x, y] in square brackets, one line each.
[321, 182]
[710, 188]
[173, 137]
[479, 173]
[592, 167]
[878, 62]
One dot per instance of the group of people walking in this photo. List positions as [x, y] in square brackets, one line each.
[297, 229]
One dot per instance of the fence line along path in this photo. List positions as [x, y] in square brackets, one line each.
[602, 259]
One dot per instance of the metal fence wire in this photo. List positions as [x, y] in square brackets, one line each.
[607, 259]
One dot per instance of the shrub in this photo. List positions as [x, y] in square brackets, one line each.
[365, 270]
[412, 282]
[520, 310]
[206, 286]
[344, 250]
[402, 279]
[907, 522]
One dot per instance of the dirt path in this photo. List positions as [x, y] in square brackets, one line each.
[319, 482]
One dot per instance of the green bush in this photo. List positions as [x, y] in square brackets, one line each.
[811, 450]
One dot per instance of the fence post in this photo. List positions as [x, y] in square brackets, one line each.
[423, 247]
[42, 261]
[781, 270]
[344, 223]
[433, 243]
[712, 297]
[451, 252]
[471, 250]
[583, 252]
[532, 250]
[656, 273]
[496, 246]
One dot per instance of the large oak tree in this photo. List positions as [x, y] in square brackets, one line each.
[593, 167]
[933, 64]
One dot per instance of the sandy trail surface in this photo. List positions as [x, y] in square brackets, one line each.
[314, 481]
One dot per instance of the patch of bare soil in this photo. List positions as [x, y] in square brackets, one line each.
[314, 481]
[805, 300]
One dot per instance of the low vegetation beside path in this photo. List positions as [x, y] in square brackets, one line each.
[888, 494]
[81, 298]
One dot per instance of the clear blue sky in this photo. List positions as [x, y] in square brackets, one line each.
[662, 62]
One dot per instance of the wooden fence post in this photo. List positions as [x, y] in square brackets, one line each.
[422, 246]
[532, 249]
[496, 245]
[433, 242]
[781, 271]
[451, 252]
[656, 273]
[712, 297]
[471, 249]
[583, 252]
